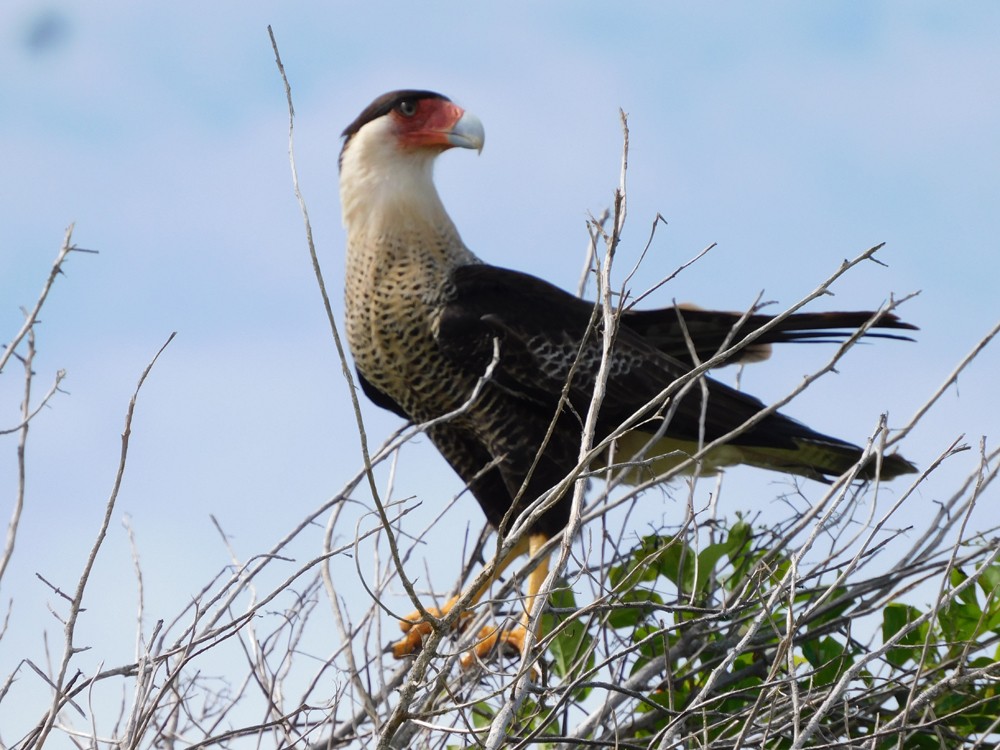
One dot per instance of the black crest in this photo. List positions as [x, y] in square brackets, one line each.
[384, 104]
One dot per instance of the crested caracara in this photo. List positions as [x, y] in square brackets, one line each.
[426, 320]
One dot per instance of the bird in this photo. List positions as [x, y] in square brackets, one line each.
[501, 365]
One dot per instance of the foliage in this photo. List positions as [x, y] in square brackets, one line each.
[824, 629]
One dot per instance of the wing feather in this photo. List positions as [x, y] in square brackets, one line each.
[549, 338]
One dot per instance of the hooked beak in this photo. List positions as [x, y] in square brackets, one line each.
[467, 132]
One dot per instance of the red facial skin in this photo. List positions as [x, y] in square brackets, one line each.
[429, 126]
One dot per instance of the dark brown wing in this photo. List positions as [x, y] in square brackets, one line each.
[548, 339]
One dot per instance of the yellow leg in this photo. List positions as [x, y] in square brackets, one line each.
[515, 637]
[416, 628]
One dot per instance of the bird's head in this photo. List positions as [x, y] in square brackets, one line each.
[386, 163]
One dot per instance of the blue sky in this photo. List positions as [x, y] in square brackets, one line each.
[793, 135]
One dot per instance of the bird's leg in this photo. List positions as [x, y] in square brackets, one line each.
[416, 627]
[515, 637]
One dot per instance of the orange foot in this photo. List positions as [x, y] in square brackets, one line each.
[416, 629]
[490, 639]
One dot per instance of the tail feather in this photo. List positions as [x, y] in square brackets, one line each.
[815, 458]
[709, 330]
[824, 461]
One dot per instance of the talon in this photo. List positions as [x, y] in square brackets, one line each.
[415, 618]
[416, 628]
[413, 640]
[492, 637]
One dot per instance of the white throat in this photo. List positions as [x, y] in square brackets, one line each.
[385, 190]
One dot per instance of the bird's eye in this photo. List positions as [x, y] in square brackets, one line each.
[407, 108]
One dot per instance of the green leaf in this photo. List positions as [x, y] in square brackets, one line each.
[989, 581]
[572, 642]
[653, 643]
[676, 564]
[482, 715]
[962, 620]
[642, 563]
[895, 618]
[968, 595]
[828, 658]
[708, 558]
[740, 553]
[534, 717]
[738, 540]
[631, 617]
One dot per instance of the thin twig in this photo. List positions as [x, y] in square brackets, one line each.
[70, 649]
[32, 316]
